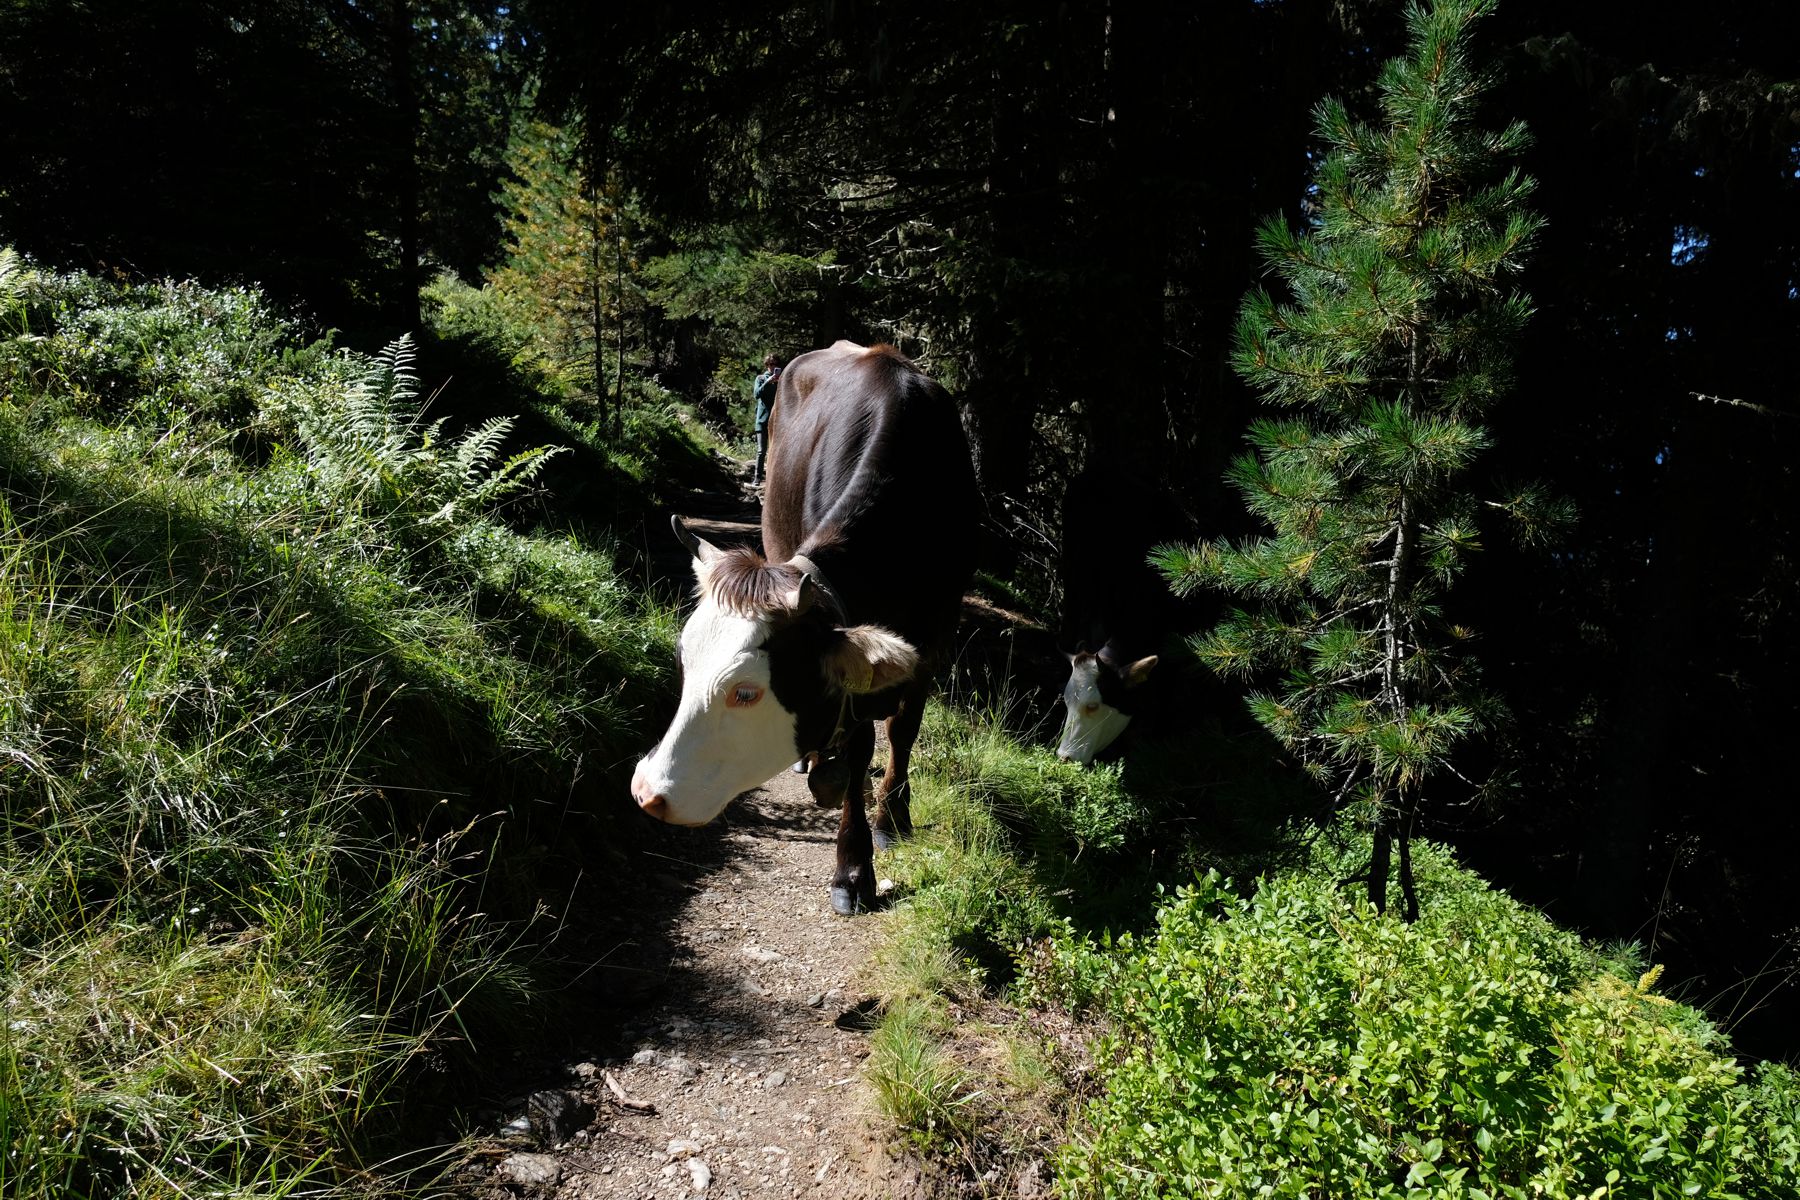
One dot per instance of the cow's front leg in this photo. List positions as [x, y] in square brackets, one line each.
[853, 884]
[893, 800]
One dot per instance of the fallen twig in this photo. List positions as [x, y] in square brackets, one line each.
[643, 1106]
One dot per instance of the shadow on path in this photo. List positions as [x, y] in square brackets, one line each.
[720, 1009]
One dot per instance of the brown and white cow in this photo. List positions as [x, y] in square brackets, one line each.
[869, 523]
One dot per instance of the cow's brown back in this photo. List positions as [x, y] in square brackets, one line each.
[869, 476]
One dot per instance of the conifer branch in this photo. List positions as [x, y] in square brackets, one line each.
[1763, 409]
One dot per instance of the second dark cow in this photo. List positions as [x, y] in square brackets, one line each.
[1118, 610]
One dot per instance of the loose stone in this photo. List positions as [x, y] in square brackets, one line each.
[530, 1170]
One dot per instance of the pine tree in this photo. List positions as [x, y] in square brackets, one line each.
[1394, 345]
[565, 273]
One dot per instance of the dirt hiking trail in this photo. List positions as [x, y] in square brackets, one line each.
[726, 1058]
[741, 1073]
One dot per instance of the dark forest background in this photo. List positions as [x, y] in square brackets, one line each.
[1051, 206]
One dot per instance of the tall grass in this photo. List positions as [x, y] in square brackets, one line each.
[277, 693]
[969, 900]
[921, 1088]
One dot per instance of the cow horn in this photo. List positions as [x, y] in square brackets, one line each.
[696, 545]
[804, 595]
[812, 588]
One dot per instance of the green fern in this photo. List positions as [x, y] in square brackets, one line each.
[15, 281]
[13, 275]
[373, 447]
[476, 453]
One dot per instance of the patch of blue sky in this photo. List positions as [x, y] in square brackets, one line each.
[1689, 244]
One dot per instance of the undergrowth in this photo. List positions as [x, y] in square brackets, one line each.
[1060, 1000]
[1296, 1043]
[283, 704]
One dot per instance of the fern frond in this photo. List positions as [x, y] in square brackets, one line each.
[515, 473]
[396, 360]
[476, 453]
[13, 275]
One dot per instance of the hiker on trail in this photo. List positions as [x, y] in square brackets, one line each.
[764, 391]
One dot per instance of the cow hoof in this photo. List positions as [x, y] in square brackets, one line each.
[885, 840]
[854, 893]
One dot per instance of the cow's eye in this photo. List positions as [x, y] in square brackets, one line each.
[743, 696]
[1091, 707]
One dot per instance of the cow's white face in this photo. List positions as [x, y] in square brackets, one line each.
[1090, 724]
[730, 732]
[734, 728]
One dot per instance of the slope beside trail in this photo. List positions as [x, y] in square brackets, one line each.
[729, 1029]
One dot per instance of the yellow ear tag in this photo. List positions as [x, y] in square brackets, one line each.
[864, 683]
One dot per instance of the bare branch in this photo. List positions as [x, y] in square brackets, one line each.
[1763, 409]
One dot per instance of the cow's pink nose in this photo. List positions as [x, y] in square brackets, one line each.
[653, 803]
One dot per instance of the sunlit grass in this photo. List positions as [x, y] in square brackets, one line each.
[261, 741]
[919, 1087]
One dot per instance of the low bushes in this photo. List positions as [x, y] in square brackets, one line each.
[1282, 1040]
[1295, 1043]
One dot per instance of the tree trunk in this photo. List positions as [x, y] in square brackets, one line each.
[596, 231]
[1409, 893]
[619, 359]
[406, 111]
[1379, 857]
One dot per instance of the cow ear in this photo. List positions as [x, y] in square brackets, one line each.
[1139, 671]
[867, 658]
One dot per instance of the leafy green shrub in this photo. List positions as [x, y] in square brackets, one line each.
[159, 354]
[1296, 1044]
[493, 324]
[1774, 1122]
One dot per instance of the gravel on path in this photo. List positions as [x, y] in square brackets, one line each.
[739, 1073]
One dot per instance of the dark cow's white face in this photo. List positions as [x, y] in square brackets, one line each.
[1099, 690]
[730, 733]
[749, 684]
[1090, 724]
